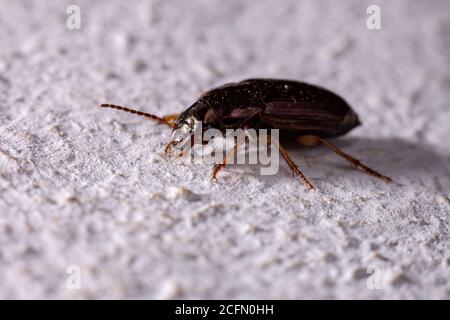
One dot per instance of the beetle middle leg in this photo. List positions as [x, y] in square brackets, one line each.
[353, 161]
[295, 169]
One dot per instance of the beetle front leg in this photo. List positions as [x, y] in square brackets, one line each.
[230, 154]
[168, 147]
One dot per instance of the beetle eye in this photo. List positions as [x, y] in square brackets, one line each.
[190, 123]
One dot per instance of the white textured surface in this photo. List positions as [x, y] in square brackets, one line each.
[85, 186]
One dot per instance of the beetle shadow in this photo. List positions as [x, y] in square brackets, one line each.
[405, 162]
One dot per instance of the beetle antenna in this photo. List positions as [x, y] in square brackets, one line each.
[139, 113]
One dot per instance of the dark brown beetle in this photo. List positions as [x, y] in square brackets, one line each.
[301, 111]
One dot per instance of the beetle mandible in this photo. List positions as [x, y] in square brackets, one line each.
[307, 113]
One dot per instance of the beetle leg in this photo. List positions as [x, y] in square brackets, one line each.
[354, 161]
[168, 147]
[294, 167]
[230, 154]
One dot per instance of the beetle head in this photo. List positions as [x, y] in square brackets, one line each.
[188, 123]
[183, 131]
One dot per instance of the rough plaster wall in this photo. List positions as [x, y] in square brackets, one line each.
[85, 186]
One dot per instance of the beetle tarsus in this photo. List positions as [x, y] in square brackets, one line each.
[354, 161]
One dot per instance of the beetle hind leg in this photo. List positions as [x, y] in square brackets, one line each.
[354, 161]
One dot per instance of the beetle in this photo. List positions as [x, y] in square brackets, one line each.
[300, 111]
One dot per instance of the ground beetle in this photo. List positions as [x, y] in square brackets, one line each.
[301, 111]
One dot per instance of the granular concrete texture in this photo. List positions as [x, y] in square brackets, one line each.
[88, 189]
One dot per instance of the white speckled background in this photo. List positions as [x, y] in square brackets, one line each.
[90, 187]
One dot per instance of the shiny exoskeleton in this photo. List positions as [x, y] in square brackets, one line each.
[305, 112]
[295, 108]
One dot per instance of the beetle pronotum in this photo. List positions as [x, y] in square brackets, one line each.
[301, 111]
